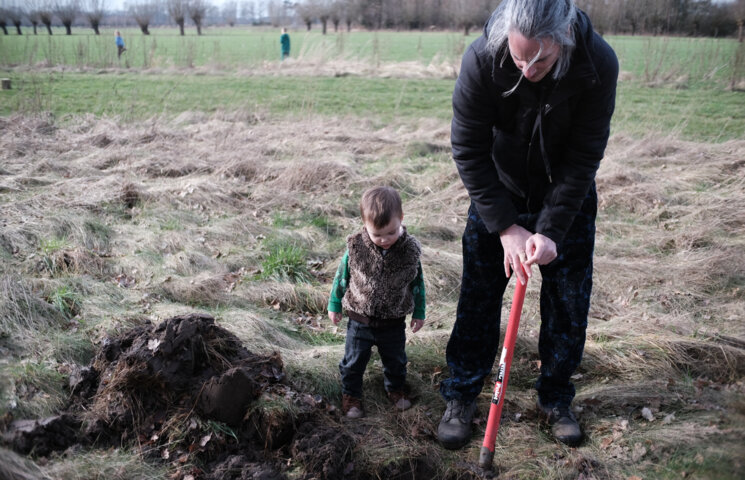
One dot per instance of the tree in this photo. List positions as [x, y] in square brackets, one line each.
[250, 12]
[46, 14]
[306, 13]
[33, 17]
[177, 9]
[324, 9]
[276, 10]
[197, 11]
[467, 13]
[230, 12]
[67, 11]
[94, 11]
[4, 19]
[738, 9]
[143, 12]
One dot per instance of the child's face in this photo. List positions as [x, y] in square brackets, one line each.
[385, 237]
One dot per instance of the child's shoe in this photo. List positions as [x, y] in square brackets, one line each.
[351, 406]
[400, 400]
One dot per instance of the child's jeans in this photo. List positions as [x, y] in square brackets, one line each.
[391, 343]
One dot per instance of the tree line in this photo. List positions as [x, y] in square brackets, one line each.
[655, 17]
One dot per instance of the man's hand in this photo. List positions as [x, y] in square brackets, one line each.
[541, 250]
[514, 240]
[335, 317]
[522, 247]
[416, 324]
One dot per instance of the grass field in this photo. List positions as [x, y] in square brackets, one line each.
[203, 175]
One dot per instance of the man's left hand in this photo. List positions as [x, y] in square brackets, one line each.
[540, 249]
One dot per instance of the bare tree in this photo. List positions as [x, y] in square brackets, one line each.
[178, 10]
[46, 14]
[468, 13]
[94, 11]
[67, 11]
[197, 11]
[248, 11]
[306, 13]
[4, 14]
[33, 17]
[230, 12]
[275, 10]
[337, 13]
[738, 9]
[324, 9]
[143, 12]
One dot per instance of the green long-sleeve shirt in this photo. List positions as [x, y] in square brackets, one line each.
[341, 281]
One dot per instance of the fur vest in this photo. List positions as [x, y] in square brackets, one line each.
[380, 285]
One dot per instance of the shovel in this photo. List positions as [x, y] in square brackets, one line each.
[497, 402]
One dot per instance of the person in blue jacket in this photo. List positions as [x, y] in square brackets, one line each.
[119, 44]
[531, 119]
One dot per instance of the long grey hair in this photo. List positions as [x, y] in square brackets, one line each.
[536, 19]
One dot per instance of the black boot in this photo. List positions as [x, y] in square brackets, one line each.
[564, 425]
[454, 430]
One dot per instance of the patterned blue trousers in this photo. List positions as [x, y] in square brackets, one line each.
[565, 302]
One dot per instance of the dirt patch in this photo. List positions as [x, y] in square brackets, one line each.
[187, 392]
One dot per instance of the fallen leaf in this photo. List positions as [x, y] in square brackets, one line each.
[638, 452]
[647, 414]
[634, 477]
[204, 440]
[153, 344]
[605, 443]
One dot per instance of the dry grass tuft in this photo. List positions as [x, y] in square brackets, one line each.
[74, 262]
[206, 290]
[304, 176]
[22, 312]
[285, 296]
[15, 467]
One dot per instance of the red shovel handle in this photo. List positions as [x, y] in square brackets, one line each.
[497, 402]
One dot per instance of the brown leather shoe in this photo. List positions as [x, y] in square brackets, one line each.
[351, 406]
[400, 400]
[564, 425]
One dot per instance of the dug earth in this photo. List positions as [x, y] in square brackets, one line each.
[186, 392]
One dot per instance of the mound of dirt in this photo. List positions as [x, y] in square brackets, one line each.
[187, 392]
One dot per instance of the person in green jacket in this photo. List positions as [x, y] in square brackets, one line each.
[378, 283]
[284, 41]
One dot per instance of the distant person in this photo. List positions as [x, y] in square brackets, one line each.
[119, 44]
[284, 41]
[379, 282]
[532, 108]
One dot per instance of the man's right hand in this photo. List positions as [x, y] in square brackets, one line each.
[514, 241]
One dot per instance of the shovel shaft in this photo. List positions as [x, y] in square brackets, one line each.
[505, 361]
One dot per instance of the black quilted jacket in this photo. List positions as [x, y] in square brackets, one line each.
[537, 150]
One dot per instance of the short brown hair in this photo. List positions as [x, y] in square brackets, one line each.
[380, 205]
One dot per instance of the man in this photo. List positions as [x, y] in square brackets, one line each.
[531, 119]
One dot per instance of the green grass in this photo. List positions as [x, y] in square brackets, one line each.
[284, 262]
[135, 97]
[696, 114]
[238, 47]
[244, 47]
[65, 300]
